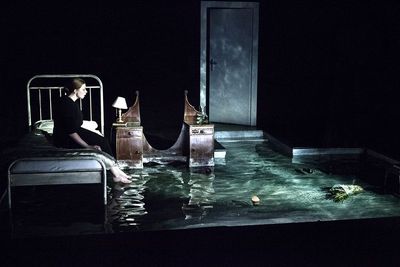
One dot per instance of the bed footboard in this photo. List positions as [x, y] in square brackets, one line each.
[55, 171]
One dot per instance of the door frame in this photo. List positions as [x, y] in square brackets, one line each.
[204, 33]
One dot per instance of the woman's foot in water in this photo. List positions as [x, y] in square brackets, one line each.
[120, 176]
[121, 179]
[123, 174]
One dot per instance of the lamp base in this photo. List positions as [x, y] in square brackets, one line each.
[119, 119]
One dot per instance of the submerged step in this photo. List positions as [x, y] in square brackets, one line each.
[219, 150]
[259, 134]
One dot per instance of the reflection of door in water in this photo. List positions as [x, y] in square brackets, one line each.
[232, 72]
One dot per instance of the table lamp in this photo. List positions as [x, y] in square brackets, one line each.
[120, 103]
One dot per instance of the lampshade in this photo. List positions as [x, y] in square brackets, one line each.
[120, 102]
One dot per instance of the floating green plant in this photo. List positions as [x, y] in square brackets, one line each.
[340, 192]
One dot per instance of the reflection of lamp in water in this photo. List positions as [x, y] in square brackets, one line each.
[120, 103]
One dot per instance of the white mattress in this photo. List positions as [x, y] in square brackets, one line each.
[47, 164]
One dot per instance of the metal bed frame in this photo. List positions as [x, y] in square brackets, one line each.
[47, 170]
[58, 89]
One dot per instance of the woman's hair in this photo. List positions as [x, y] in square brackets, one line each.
[73, 84]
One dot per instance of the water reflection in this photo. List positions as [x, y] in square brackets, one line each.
[173, 196]
[126, 206]
[201, 193]
[161, 193]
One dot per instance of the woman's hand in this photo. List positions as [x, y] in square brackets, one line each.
[79, 140]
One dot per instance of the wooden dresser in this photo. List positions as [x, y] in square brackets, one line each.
[129, 145]
[195, 143]
[201, 145]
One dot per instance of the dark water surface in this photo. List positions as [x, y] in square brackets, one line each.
[172, 196]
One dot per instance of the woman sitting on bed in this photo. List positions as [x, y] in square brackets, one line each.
[68, 133]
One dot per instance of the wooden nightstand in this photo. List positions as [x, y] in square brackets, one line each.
[201, 145]
[129, 145]
[195, 143]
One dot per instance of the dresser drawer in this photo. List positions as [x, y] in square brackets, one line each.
[129, 145]
[136, 132]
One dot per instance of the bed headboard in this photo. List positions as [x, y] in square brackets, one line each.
[43, 90]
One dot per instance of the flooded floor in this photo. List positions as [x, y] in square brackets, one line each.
[166, 197]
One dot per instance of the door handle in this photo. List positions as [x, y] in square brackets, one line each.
[212, 63]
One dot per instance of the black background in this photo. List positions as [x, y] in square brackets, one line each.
[328, 70]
